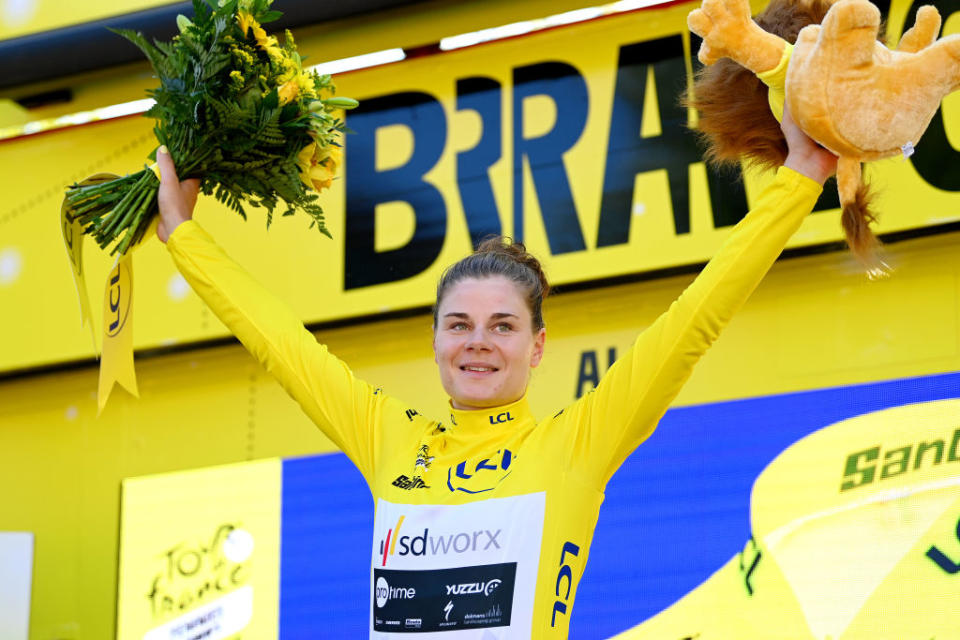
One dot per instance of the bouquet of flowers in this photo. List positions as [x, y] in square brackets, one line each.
[237, 110]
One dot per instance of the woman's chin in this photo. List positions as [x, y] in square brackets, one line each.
[469, 403]
[477, 400]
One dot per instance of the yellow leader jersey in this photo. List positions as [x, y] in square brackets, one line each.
[484, 520]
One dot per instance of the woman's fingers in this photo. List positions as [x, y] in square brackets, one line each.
[175, 199]
[168, 172]
[793, 134]
[804, 155]
[190, 188]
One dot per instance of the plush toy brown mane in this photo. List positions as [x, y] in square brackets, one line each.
[735, 121]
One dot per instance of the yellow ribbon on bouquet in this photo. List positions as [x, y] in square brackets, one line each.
[116, 360]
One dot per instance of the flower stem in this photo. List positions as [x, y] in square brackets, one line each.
[141, 219]
[121, 217]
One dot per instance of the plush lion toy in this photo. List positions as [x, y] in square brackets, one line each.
[844, 88]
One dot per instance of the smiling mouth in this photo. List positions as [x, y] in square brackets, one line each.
[478, 369]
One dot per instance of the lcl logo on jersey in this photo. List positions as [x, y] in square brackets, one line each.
[500, 418]
[481, 476]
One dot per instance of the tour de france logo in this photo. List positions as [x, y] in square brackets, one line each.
[194, 572]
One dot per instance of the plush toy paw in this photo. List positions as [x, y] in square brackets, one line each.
[728, 31]
[924, 31]
[851, 27]
[721, 24]
[849, 15]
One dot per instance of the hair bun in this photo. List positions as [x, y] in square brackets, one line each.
[516, 251]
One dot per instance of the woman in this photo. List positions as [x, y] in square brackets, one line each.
[484, 521]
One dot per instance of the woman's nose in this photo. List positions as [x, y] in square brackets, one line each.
[478, 340]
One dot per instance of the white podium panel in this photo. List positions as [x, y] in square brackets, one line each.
[16, 573]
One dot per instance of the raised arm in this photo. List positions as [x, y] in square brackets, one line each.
[344, 408]
[608, 424]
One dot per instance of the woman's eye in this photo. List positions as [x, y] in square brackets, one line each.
[458, 326]
[504, 327]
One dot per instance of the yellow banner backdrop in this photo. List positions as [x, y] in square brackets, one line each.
[570, 139]
[200, 554]
[23, 17]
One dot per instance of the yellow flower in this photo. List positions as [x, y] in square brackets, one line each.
[236, 79]
[289, 67]
[321, 177]
[318, 167]
[243, 58]
[305, 162]
[306, 85]
[276, 53]
[288, 91]
[247, 21]
[336, 156]
[323, 173]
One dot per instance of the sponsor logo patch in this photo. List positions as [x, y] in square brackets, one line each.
[404, 482]
[444, 599]
[481, 475]
[437, 543]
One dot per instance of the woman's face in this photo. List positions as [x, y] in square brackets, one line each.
[484, 343]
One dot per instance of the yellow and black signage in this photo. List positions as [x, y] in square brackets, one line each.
[832, 559]
[574, 141]
[199, 552]
[570, 139]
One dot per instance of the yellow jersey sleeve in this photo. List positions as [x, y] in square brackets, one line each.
[776, 81]
[346, 409]
[624, 409]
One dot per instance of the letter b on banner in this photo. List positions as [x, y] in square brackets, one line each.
[366, 188]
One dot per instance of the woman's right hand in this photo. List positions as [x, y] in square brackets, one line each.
[176, 199]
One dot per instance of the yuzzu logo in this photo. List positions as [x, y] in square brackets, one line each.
[427, 544]
[480, 476]
[486, 588]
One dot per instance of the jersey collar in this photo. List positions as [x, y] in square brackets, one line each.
[500, 418]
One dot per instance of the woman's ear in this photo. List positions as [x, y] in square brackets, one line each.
[538, 343]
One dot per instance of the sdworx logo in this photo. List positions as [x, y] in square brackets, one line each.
[426, 544]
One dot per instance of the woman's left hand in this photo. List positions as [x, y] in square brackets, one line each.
[176, 199]
[804, 155]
